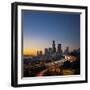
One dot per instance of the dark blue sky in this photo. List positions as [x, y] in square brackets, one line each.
[41, 27]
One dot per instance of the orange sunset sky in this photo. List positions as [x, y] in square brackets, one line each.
[31, 51]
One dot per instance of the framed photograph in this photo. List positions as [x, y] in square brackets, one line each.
[49, 44]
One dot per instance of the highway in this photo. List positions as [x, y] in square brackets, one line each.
[59, 62]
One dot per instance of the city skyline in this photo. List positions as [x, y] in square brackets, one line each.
[54, 48]
[40, 28]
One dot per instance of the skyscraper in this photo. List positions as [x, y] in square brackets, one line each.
[50, 50]
[46, 51]
[59, 48]
[53, 47]
[66, 50]
[40, 53]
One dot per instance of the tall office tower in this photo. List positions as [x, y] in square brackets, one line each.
[66, 50]
[40, 53]
[50, 50]
[46, 51]
[53, 47]
[59, 48]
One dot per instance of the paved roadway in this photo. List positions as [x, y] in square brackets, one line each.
[59, 62]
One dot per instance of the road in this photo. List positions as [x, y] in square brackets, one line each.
[59, 62]
[42, 73]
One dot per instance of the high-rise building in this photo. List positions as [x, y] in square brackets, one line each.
[37, 53]
[50, 50]
[66, 50]
[46, 51]
[59, 48]
[40, 53]
[53, 47]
